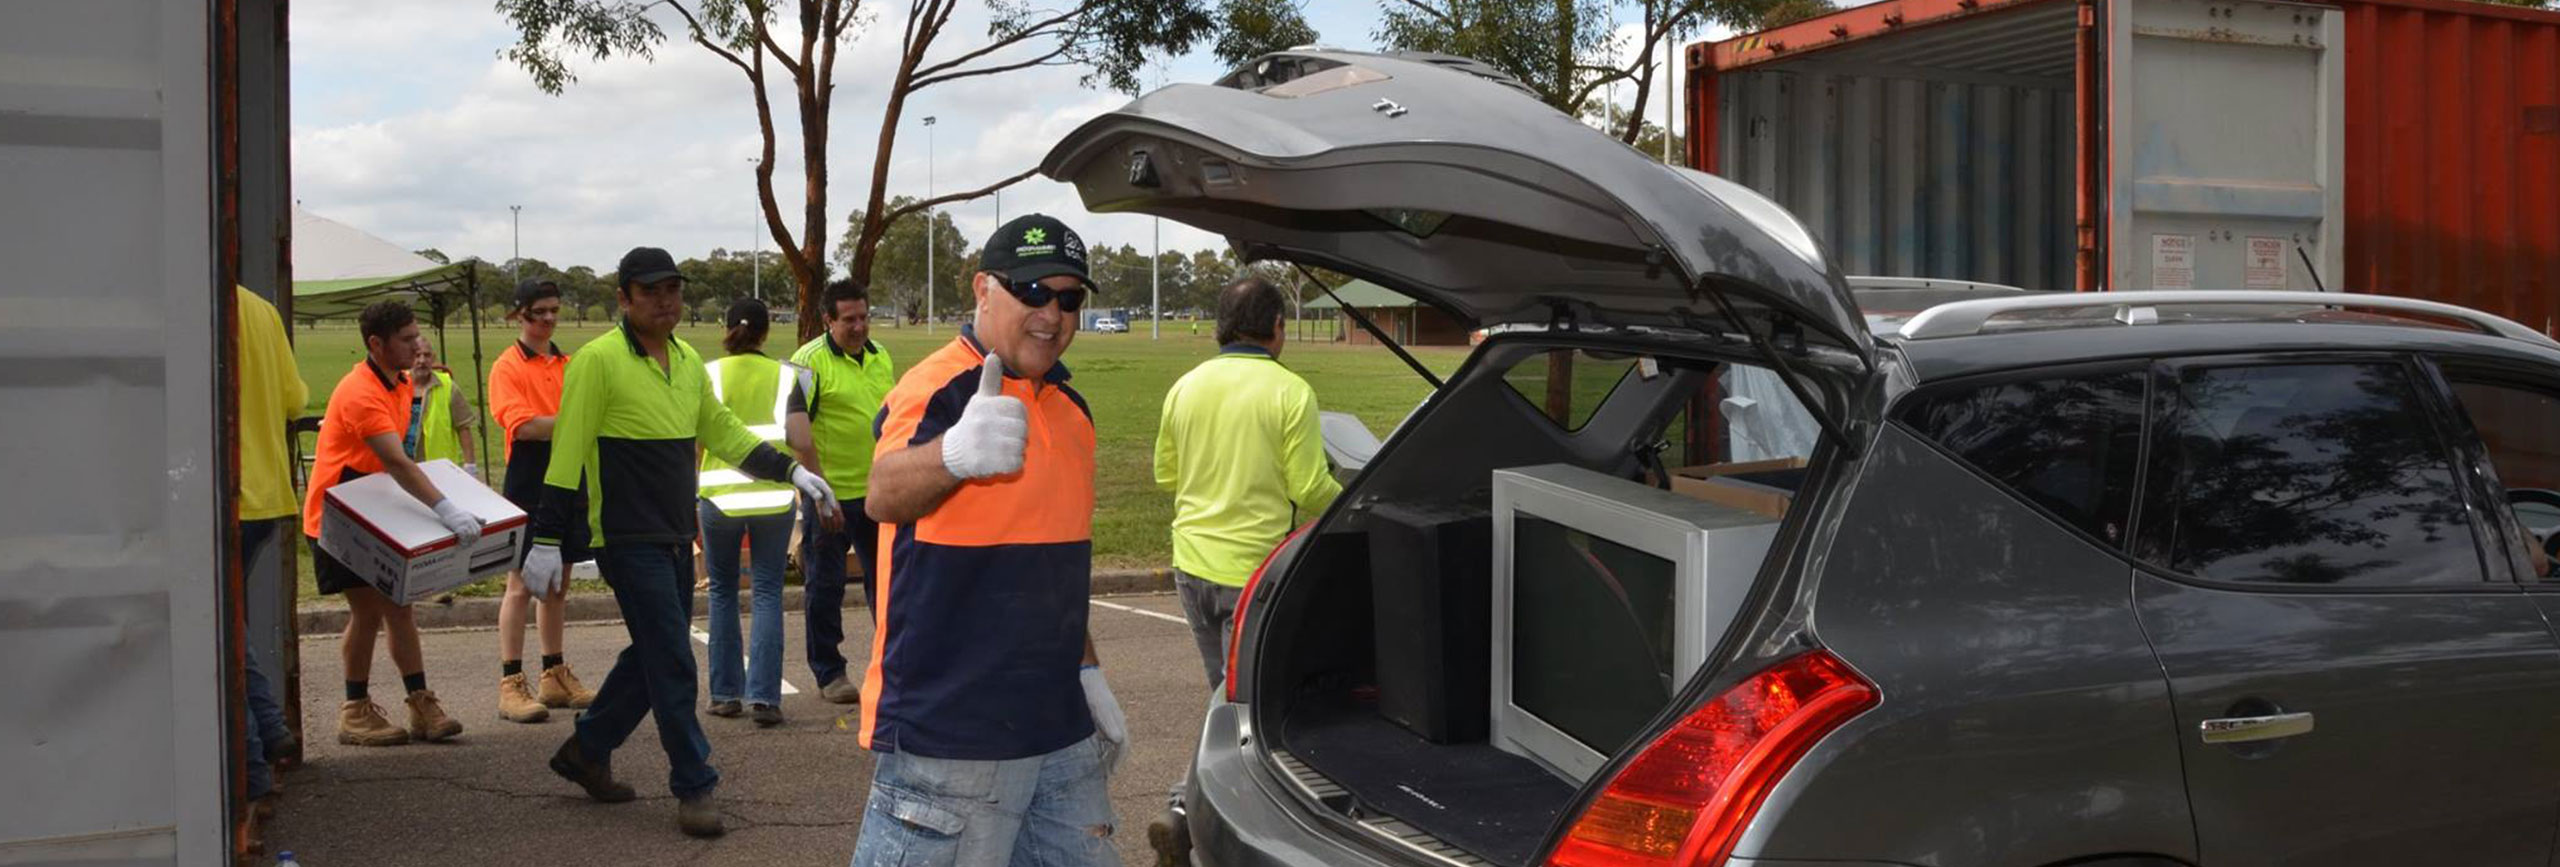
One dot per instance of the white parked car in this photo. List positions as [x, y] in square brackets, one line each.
[1111, 325]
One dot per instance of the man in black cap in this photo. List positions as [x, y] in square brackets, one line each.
[985, 702]
[636, 405]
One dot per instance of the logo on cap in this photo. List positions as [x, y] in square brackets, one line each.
[1035, 235]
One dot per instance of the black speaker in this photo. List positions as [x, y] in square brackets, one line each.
[1431, 577]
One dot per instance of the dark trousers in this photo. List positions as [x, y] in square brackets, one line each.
[266, 719]
[823, 578]
[655, 676]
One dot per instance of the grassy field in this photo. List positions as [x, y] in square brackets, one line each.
[1123, 376]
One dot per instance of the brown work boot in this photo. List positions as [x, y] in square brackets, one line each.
[699, 816]
[560, 688]
[595, 776]
[516, 702]
[360, 723]
[427, 721]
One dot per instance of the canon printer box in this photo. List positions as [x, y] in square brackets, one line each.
[399, 546]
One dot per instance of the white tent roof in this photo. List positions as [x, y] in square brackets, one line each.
[337, 269]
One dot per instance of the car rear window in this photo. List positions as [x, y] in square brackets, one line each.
[2070, 445]
[2306, 474]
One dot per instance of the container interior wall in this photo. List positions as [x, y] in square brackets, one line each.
[1945, 152]
[2453, 150]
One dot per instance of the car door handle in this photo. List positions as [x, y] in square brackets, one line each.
[2244, 729]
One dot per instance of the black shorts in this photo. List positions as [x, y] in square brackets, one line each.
[522, 486]
[333, 577]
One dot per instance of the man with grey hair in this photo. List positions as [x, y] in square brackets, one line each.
[1239, 447]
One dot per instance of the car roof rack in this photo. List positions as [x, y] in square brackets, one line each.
[1865, 282]
[2141, 307]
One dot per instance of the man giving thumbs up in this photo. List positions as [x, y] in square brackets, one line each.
[995, 730]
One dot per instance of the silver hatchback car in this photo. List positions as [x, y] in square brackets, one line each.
[1691, 564]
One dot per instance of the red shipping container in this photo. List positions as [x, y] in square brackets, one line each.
[2405, 147]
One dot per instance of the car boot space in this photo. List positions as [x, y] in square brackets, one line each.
[1449, 676]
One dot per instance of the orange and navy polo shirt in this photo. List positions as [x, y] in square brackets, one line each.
[365, 403]
[982, 606]
[524, 386]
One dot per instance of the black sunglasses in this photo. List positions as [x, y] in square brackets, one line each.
[1035, 295]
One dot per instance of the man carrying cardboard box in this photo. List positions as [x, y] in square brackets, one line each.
[635, 405]
[359, 435]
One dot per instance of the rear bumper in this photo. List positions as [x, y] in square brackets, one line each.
[1241, 814]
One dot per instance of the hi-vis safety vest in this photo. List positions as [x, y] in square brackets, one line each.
[436, 438]
[755, 389]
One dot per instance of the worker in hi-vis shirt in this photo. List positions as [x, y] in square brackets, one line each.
[995, 732]
[635, 404]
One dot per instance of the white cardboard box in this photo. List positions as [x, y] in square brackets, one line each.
[396, 543]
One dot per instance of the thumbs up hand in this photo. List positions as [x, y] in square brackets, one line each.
[988, 439]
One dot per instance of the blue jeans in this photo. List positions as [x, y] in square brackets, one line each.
[266, 719]
[1052, 811]
[822, 571]
[767, 537]
[653, 584]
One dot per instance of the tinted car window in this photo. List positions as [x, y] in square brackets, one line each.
[2069, 444]
[2328, 474]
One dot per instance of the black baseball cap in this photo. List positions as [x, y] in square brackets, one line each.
[747, 311]
[1034, 246]
[645, 265]
[532, 289]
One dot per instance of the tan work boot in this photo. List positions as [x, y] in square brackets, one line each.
[427, 720]
[560, 688]
[516, 702]
[360, 723]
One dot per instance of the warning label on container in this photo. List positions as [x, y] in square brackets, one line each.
[2265, 268]
[2173, 261]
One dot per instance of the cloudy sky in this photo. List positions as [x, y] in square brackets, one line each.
[407, 124]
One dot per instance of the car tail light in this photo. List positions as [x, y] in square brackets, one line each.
[1685, 799]
[1235, 622]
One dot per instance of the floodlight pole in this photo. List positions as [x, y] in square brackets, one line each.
[929, 287]
[515, 258]
[1155, 285]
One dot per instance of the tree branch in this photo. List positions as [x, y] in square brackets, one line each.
[693, 26]
[1436, 15]
[1042, 60]
[896, 214]
[1028, 33]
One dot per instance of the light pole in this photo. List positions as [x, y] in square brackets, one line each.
[516, 259]
[928, 225]
[1155, 285]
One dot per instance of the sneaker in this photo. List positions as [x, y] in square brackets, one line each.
[767, 716]
[360, 723]
[427, 720]
[727, 709]
[572, 764]
[1170, 837]
[841, 690]
[560, 688]
[699, 816]
[516, 702]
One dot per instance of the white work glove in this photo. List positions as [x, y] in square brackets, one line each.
[815, 488]
[988, 439]
[1109, 723]
[466, 529]
[542, 570]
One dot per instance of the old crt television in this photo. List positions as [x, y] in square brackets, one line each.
[1608, 595]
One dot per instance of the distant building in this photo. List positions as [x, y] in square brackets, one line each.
[1409, 322]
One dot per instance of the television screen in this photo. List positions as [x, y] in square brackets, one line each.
[1592, 630]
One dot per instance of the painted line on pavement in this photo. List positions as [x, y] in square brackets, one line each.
[1159, 615]
[705, 639]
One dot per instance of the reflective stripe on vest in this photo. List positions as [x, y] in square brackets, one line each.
[735, 493]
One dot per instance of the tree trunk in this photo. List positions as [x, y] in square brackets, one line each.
[866, 244]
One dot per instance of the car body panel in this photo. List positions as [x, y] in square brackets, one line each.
[2023, 720]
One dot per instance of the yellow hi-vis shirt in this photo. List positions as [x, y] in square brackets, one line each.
[1239, 448]
[272, 394]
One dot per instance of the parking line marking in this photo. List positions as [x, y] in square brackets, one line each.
[705, 639]
[1159, 615]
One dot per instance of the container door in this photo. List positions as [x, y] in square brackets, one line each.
[2225, 150]
[110, 566]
